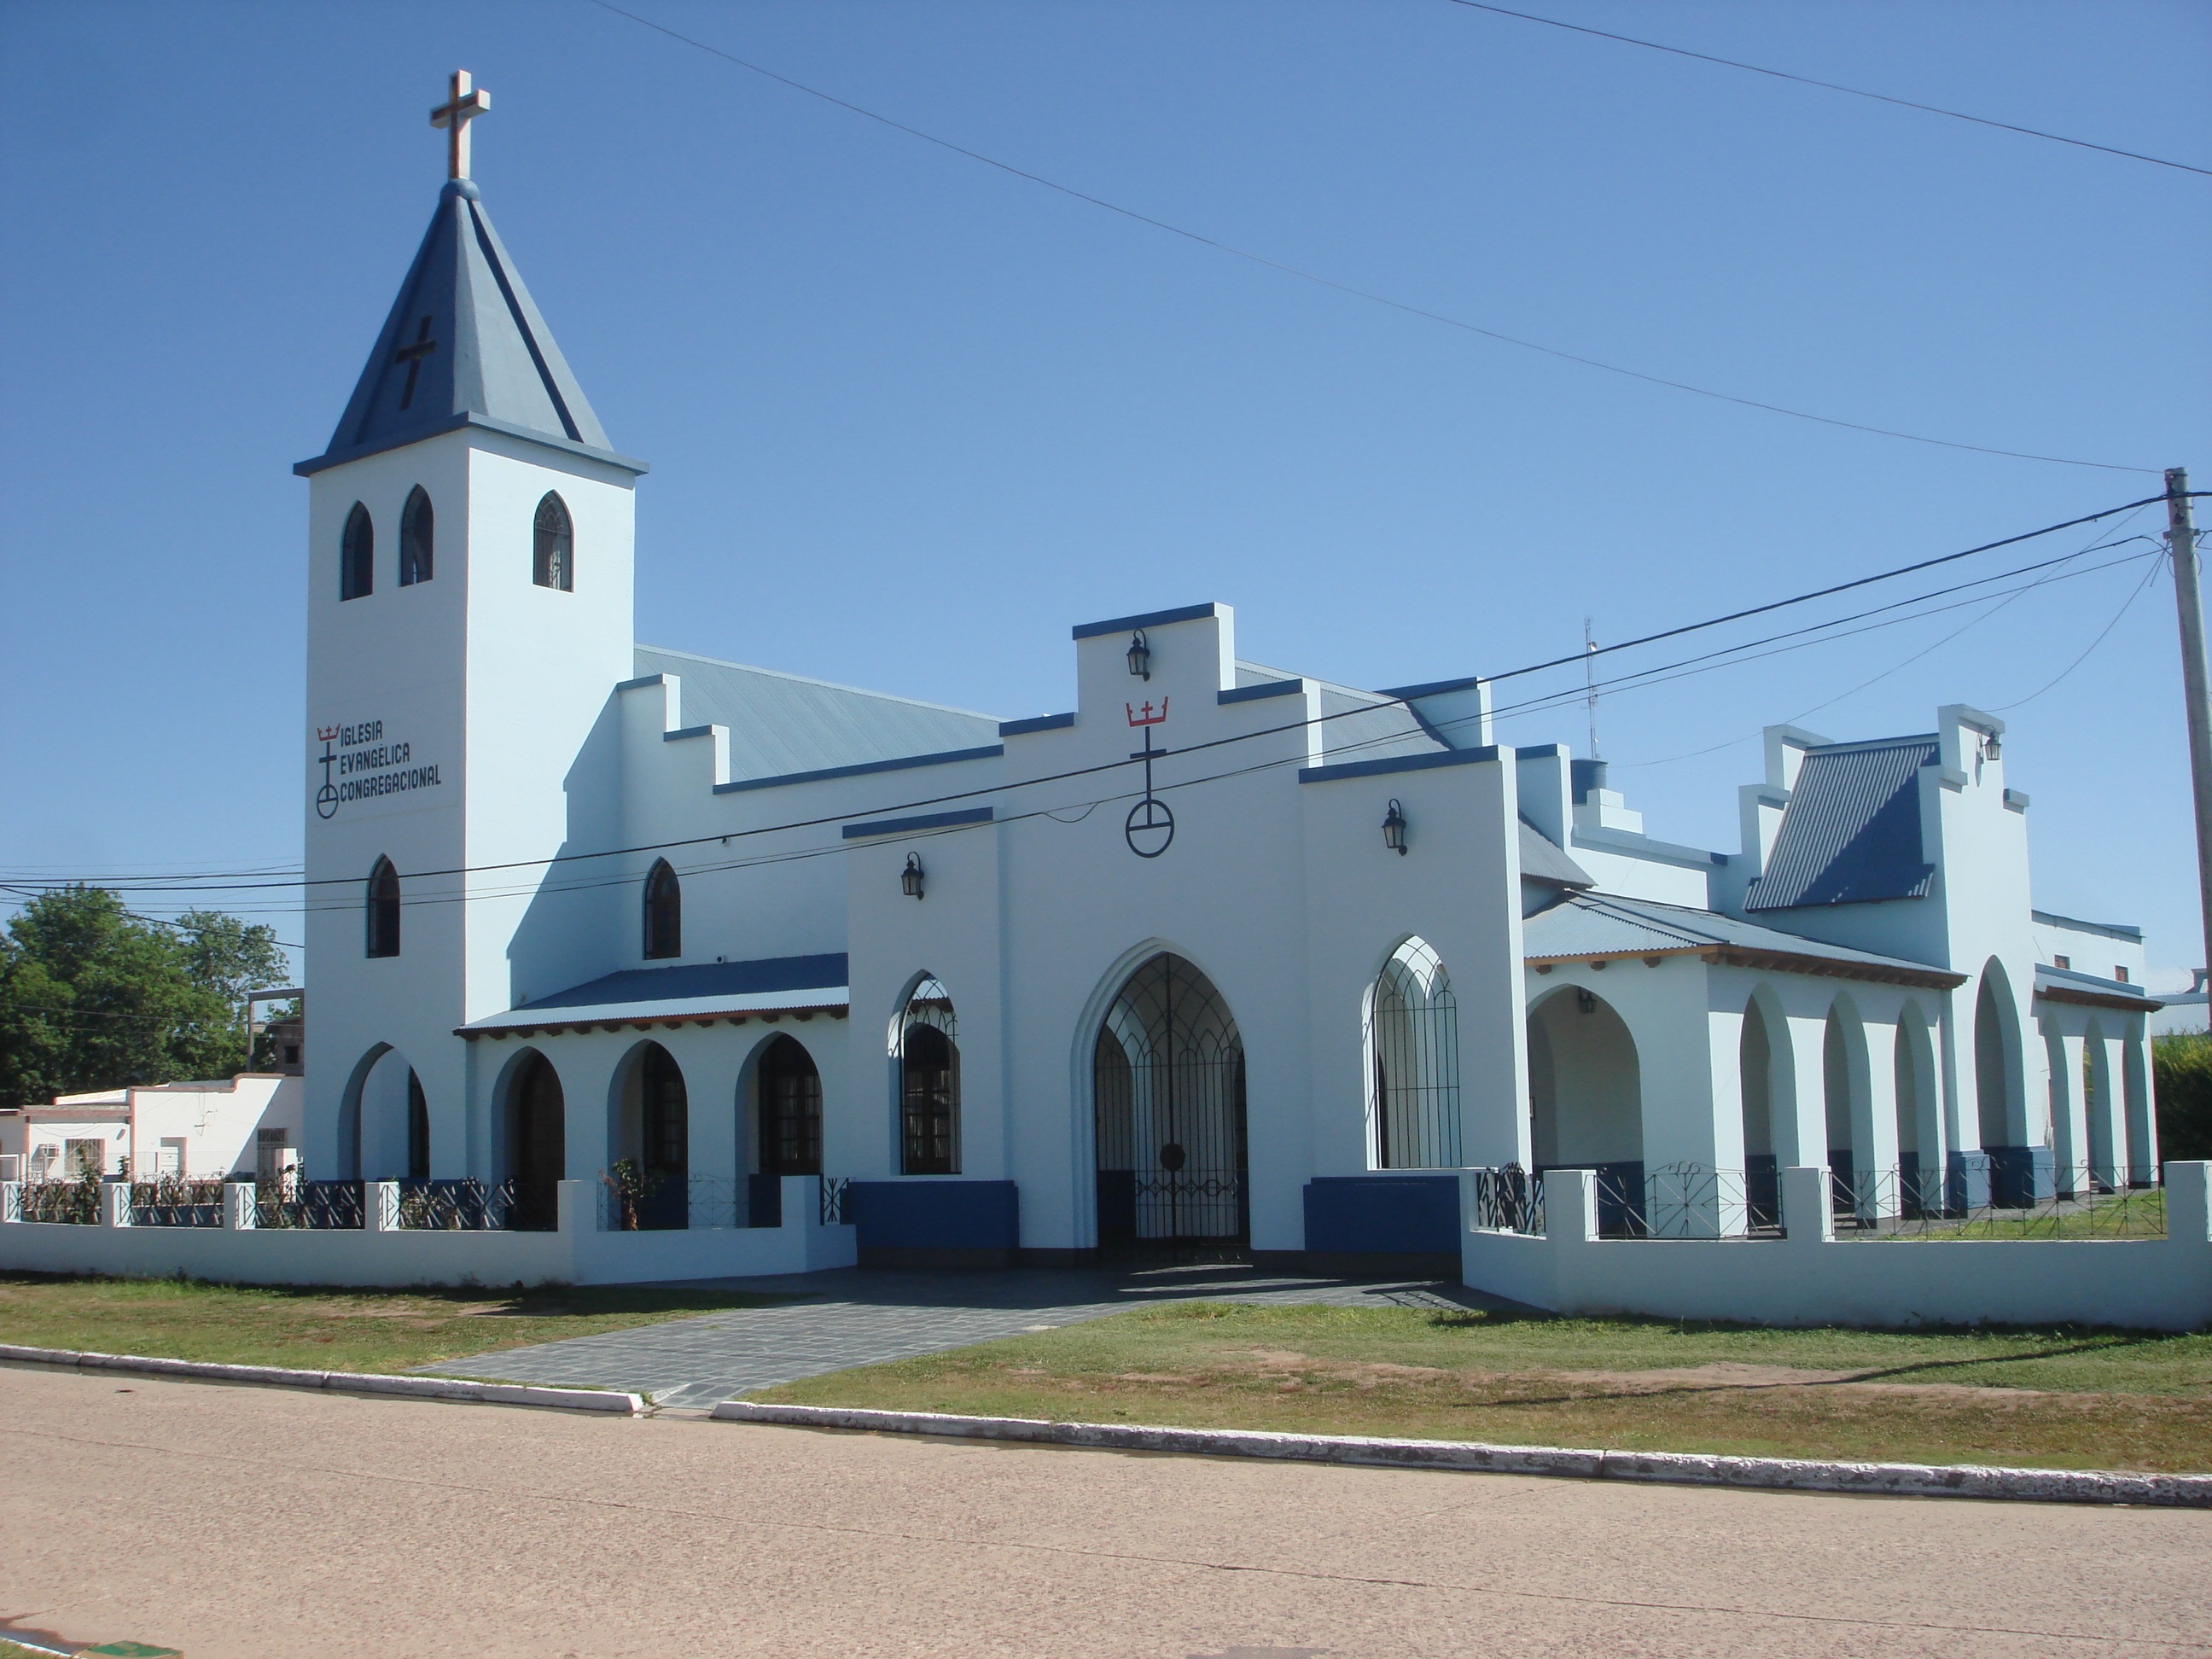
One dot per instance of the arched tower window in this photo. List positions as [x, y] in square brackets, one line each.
[929, 1058]
[417, 533]
[357, 555]
[664, 912]
[383, 909]
[553, 545]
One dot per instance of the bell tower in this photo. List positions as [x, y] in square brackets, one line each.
[469, 612]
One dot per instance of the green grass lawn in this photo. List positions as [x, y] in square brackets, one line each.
[2066, 1398]
[322, 1327]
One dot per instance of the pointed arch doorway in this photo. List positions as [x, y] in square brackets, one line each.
[1168, 1087]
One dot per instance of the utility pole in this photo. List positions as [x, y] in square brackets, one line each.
[2181, 538]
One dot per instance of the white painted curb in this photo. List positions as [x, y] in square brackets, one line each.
[277, 1377]
[1689, 1468]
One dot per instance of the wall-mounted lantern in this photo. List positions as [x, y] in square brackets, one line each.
[910, 878]
[1990, 748]
[1140, 656]
[1393, 828]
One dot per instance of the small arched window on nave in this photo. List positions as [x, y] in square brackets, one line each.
[418, 534]
[553, 545]
[382, 910]
[664, 912]
[357, 555]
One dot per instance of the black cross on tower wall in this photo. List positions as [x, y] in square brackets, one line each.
[412, 355]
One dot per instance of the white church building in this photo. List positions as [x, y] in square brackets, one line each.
[1223, 958]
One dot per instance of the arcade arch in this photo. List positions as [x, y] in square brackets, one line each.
[1412, 1070]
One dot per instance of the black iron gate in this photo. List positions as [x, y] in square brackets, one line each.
[1168, 1074]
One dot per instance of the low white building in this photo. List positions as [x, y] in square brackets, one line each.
[247, 1127]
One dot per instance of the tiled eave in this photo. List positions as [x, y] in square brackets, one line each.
[2082, 999]
[558, 1022]
[1784, 962]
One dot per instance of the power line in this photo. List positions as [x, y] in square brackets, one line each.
[1725, 656]
[1368, 295]
[1830, 86]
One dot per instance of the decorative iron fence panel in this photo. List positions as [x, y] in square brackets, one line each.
[1688, 1200]
[316, 1206]
[630, 1202]
[835, 1197]
[75, 1202]
[458, 1207]
[171, 1201]
[1508, 1200]
[1906, 1204]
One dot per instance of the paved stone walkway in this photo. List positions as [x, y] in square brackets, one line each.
[860, 1316]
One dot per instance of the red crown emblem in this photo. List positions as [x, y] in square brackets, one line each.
[327, 734]
[1148, 717]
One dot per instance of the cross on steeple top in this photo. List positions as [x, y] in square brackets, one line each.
[468, 101]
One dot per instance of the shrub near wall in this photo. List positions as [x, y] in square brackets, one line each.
[2183, 1065]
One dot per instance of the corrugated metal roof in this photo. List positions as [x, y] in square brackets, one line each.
[1594, 924]
[1542, 859]
[786, 723]
[765, 984]
[1358, 725]
[1851, 834]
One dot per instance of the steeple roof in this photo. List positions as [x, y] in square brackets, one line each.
[465, 346]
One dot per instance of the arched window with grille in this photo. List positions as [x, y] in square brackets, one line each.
[418, 1130]
[1412, 1043]
[927, 1052]
[664, 912]
[357, 555]
[553, 545]
[790, 1092]
[417, 535]
[383, 909]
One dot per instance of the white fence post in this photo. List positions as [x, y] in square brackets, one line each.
[240, 1213]
[1806, 1216]
[11, 1201]
[1571, 1206]
[569, 1198]
[379, 1207]
[114, 1203]
[2189, 1202]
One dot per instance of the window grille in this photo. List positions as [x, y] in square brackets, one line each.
[790, 1094]
[418, 1130]
[418, 534]
[1412, 1043]
[357, 555]
[537, 1144]
[383, 910]
[929, 1083]
[553, 542]
[664, 912]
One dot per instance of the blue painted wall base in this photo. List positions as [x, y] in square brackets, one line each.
[1387, 1222]
[2020, 1177]
[1965, 1182]
[935, 1222]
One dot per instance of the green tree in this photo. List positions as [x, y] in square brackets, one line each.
[91, 997]
[2183, 1065]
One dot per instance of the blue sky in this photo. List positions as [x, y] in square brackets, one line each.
[910, 417]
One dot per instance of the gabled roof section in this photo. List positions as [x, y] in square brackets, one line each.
[1544, 860]
[1851, 832]
[767, 985]
[782, 724]
[464, 345]
[1587, 924]
[1356, 725]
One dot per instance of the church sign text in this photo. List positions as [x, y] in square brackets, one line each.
[358, 763]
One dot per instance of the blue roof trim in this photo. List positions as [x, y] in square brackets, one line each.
[1643, 846]
[2109, 929]
[899, 764]
[1433, 689]
[687, 732]
[926, 821]
[1149, 619]
[1541, 751]
[1396, 763]
[331, 458]
[1265, 689]
[641, 682]
[702, 979]
[1035, 723]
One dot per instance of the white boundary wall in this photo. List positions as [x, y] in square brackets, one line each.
[574, 1252]
[1809, 1278]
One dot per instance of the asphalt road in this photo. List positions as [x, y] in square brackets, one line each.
[244, 1522]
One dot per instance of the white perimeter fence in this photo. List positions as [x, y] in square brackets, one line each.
[1807, 1276]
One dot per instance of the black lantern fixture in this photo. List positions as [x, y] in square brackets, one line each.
[910, 878]
[1990, 747]
[1394, 828]
[1140, 656]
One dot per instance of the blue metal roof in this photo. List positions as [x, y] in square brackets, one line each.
[464, 345]
[1601, 924]
[695, 980]
[781, 723]
[1544, 860]
[1851, 832]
